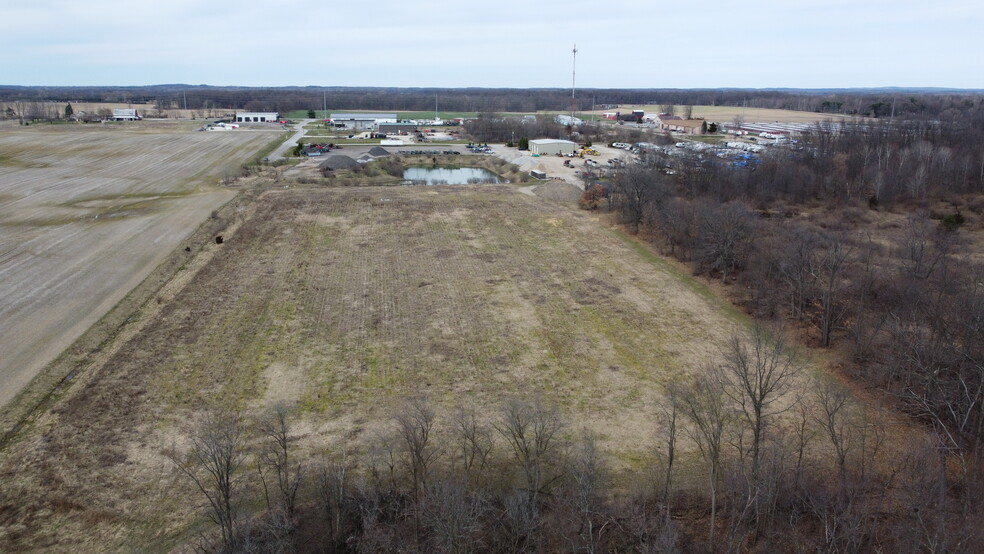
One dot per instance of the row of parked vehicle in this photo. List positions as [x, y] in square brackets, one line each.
[427, 152]
[479, 148]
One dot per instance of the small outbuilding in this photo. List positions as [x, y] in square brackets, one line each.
[545, 147]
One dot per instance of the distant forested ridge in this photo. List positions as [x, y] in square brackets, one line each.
[883, 102]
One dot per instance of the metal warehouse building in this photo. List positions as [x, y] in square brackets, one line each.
[361, 121]
[125, 114]
[395, 128]
[545, 147]
[258, 117]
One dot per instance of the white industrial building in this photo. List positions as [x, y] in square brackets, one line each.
[562, 119]
[125, 114]
[546, 147]
[257, 117]
[361, 121]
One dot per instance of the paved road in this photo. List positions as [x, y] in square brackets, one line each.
[291, 142]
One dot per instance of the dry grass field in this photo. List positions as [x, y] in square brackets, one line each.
[346, 301]
[86, 212]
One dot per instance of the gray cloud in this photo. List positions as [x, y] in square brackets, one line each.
[621, 43]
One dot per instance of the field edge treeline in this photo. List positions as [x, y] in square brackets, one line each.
[887, 103]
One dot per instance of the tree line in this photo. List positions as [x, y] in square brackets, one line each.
[750, 454]
[909, 104]
[858, 238]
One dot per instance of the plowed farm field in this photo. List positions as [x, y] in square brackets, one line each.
[86, 212]
[346, 301]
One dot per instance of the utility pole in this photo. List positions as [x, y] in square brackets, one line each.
[573, 77]
[325, 112]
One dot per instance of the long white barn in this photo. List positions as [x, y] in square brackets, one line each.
[257, 117]
[361, 121]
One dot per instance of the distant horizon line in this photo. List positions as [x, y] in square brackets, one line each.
[892, 88]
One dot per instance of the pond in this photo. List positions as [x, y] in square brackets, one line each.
[449, 176]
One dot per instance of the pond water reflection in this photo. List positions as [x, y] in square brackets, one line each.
[449, 176]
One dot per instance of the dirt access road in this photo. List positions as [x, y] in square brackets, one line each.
[86, 212]
[291, 142]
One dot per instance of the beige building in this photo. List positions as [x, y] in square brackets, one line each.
[684, 126]
[546, 147]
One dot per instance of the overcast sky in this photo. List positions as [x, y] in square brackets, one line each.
[495, 43]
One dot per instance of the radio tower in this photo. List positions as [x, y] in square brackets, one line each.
[573, 76]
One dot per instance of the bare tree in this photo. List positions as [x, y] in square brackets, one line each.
[453, 515]
[531, 430]
[758, 370]
[634, 191]
[383, 461]
[680, 222]
[794, 261]
[519, 523]
[704, 404]
[918, 253]
[415, 421]
[474, 443]
[869, 318]
[275, 455]
[804, 433]
[828, 266]
[726, 237]
[668, 420]
[836, 419]
[584, 500]
[213, 463]
[332, 485]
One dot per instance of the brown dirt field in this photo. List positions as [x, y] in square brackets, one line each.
[346, 301]
[87, 211]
